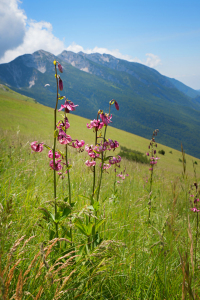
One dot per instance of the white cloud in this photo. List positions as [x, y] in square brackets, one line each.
[12, 25]
[36, 35]
[20, 36]
[152, 60]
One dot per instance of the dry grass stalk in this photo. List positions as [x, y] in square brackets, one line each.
[19, 287]
[30, 266]
[191, 248]
[187, 278]
[12, 250]
[59, 291]
[10, 276]
[67, 263]
[28, 294]
[54, 241]
[39, 293]
[27, 241]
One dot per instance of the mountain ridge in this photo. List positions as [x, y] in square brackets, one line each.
[147, 99]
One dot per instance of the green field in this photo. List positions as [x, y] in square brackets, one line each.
[135, 257]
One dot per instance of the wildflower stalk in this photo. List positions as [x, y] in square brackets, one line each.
[197, 233]
[102, 163]
[153, 161]
[68, 177]
[94, 168]
[54, 150]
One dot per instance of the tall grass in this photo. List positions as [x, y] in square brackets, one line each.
[136, 260]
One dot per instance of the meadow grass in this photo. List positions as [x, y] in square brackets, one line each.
[136, 259]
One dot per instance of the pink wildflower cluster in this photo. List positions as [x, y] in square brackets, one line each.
[153, 160]
[115, 160]
[122, 175]
[37, 147]
[78, 144]
[96, 124]
[68, 106]
[106, 119]
[196, 196]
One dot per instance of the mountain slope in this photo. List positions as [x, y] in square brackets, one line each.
[147, 99]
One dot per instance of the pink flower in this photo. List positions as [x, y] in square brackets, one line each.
[57, 167]
[147, 153]
[63, 138]
[90, 163]
[95, 124]
[50, 154]
[62, 125]
[60, 68]
[37, 147]
[106, 119]
[116, 105]
[194, 209]
[68, 106]
[60, 84]
[78, 144]
[196, 200]
[105, 166]
[115, 160]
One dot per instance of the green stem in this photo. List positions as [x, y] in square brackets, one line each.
[68, 177]
[196, 239]
[54, 150]
[102, 163]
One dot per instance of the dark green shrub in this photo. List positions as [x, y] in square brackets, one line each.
[161, 152]
[170, 152]
[133, 155]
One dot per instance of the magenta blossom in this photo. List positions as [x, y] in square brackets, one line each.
[68, 106]
[90, 163]
[196, 200]
[37, 147]
[60, 68]
[116, 105]
[106, 119]
[115, 160]
[97, 124]
[194, 209]
[63, 138]
[60, 84]
[105, 166]
[61, 124]
[57, 167]
[78, 144]
[50, 154]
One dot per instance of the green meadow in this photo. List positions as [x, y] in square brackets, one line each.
[137, 254]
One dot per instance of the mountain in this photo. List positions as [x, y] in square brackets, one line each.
[147, 99]
[184, 88]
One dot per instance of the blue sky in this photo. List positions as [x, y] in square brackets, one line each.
[164, 35]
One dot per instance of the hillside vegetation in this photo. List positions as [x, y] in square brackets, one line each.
[147, 98]
[136, 255]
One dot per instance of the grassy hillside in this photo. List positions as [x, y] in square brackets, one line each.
[146, 245]
[147, 99]
[20, 113]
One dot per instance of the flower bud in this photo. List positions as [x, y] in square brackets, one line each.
[60, 68]
[60, 84]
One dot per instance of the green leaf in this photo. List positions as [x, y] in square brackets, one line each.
[99, 223]
[56, 133]
[96, 206]
[47, 147]
[90, 207]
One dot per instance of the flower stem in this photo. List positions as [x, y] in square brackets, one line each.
[68, 176]
[54, 150]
